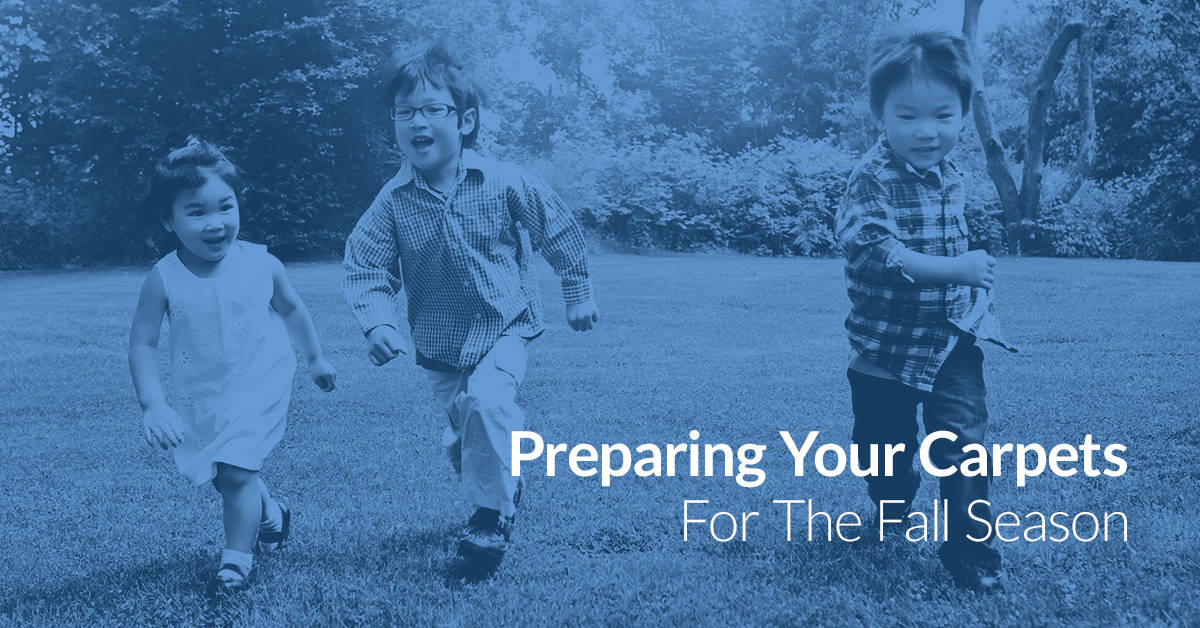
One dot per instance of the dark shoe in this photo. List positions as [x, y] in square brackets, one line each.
[486, 536]
[976, 578]
[272, 539]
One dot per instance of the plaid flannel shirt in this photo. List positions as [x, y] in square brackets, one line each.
[899, 327]
[465, 260]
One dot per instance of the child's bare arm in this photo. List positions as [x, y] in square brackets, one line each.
[973, 268]
[160, 424]
[300, 327]
[582, 316]
[385, 342]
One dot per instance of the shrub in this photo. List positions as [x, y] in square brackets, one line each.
[1096, 222]
[676, 192]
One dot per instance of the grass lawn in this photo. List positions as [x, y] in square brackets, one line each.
[99, 528]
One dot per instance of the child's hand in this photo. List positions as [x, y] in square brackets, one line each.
[383, 344]
[161, 426]
[581, 316]
[322, 373]
[976, 268]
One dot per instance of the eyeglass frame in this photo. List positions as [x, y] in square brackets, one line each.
[449, 109]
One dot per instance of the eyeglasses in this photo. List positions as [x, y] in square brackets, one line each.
[432, 111]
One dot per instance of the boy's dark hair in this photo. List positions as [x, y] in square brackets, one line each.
[435, 65]
[188, 168]
[901, 55]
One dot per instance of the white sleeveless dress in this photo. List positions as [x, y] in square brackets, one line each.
[231, 360]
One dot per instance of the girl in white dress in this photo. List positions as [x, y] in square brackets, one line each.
[230, 311]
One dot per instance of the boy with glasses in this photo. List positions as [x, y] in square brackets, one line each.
[457, 231]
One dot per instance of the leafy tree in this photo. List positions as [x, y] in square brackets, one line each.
[677, 123]
[1020, 206]
[1140, 127]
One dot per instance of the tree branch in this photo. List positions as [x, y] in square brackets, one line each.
[993, 150]
[1031, 176]
[1087, 113]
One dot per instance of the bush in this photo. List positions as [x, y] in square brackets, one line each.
[1068, 230]
[1163, 217]
[678, 193]
[39, 222]
[984, 215]
[1096, 222]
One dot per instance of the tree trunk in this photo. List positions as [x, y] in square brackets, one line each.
[1087, 113]
[993, 150]
[1035, 143]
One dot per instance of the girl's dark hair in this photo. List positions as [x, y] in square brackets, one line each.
[188, 168]
[898, 56]
[435, 65]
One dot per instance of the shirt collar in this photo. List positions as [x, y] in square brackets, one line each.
[471, 160]
[944, 167]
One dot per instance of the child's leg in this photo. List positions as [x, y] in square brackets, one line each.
[448, 392]
[957, 404]
[885, 413]
[490, 415]
[242, 503]
[272, 516]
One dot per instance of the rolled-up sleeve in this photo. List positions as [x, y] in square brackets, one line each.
[372, 276]
[867, 232]
[555, 232]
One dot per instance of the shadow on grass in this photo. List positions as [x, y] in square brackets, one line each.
[443, 561]
[462, 571]
[165, 591]
[121, 590]
[420, 555]
[613, 540]
[180, 587]
[878, 570]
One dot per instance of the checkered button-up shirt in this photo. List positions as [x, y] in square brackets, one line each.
[465, 260]
[897, 326]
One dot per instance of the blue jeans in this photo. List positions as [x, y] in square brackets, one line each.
[885, 412]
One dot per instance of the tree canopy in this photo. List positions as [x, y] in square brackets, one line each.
[671, 123]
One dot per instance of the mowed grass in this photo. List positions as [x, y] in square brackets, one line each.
[99, 528]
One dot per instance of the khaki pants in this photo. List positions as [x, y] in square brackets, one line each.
[482, 409]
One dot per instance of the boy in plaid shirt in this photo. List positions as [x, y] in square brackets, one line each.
[456, 231]
[919, 298]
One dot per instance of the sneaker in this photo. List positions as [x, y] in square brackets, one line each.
[976, 578]
[270, 540]
[486, 536]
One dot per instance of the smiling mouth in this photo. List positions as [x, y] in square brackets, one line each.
[213, 241]
[421, 141]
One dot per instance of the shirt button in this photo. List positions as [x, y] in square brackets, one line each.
[466, 284]
[478, 316]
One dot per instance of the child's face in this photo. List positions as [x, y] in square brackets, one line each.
[205, 219]
[431, 144]
[922, 119]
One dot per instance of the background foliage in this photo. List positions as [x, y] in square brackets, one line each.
[732, 128]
